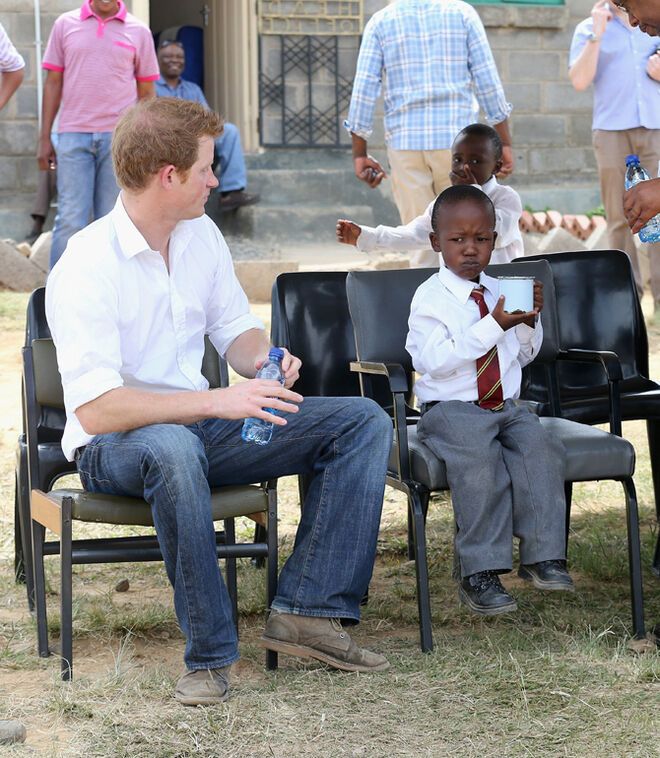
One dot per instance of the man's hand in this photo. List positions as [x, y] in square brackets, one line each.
[507, 161]
[653, 66]
[509, 320]
[290, 367]
[600, 16]
[249, 399]
[462, 175]
[46, 157]
[641, 203]
[368, 170]
[347, 232]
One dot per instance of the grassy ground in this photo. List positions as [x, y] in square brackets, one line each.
[554, 679]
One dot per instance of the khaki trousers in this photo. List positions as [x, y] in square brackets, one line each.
[418, 177]
[611, 148]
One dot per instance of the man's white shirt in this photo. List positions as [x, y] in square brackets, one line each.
[415, 235]
[120, 319]
[447, 335]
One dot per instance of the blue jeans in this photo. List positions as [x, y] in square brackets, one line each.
[86, 186]
[229, 150]
[343, 443]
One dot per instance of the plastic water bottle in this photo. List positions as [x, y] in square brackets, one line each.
[256, 429]
[635, 174]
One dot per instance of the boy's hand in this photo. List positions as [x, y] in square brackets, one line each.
[347, 232]
[509, 320]
[462, 175]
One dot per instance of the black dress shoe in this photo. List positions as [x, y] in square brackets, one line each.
[547, 575]
[483, 593]
[230, 201]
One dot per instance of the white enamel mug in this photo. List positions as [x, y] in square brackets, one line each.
[518, 292]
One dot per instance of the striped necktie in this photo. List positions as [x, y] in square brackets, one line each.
[489, 379]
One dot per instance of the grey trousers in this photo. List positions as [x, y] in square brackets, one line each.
[506, 476]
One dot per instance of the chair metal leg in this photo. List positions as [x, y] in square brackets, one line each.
[19, 555]
[38, 533]
[424, 497]
[653, 435]
[634, 559]
[23, 503]
[568, 495]
[66, 597]
[259, 536]
[655, 567]
[230, 570]
[415, 500]
[271, 570]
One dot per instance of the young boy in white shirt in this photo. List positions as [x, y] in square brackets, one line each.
[476, 159]
[505, 472]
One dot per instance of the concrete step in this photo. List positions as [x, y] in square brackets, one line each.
[284, 158]
[286, 223]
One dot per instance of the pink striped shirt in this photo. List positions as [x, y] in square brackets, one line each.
[101, 61]
[10, 60]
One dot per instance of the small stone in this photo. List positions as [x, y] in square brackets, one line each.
[122, 586]
[41, 251]
[647, 645]
[24, 249]
[11, 731]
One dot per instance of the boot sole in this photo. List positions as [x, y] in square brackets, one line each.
[200, 700]
[540, 584]
[302, 651]
[484, 610]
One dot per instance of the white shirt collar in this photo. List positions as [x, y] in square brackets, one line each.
[130, 239]
[461, 288]
[489, 186]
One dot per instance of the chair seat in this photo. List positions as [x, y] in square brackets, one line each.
[226, 502]
[590, 454]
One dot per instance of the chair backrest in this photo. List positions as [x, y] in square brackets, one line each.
[379, 303]
[310, 317]
[598, 309]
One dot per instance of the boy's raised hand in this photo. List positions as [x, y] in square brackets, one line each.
[463, 175]
[509, 320]
[347, 232]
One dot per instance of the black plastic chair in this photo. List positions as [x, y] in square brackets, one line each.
[55, 509]
[379, 303]
[604, 348]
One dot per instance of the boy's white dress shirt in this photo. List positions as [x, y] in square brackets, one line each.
[140, 326]
[415, 235]
[447, 335]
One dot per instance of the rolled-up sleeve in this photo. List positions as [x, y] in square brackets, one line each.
[228, 314]
[367, 84]
[89, 364]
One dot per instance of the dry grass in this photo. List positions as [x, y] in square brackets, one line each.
[555, 679]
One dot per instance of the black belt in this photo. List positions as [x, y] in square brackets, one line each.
[77, 453]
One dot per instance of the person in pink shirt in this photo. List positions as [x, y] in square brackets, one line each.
[100, 60]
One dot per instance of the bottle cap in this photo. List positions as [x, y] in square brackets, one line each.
[632, 159]
[276, 353]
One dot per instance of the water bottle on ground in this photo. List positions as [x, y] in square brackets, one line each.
[635, 173]
[256, 429]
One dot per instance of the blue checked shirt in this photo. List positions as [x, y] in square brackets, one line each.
[434, 58]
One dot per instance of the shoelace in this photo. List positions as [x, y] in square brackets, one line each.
[482, 580]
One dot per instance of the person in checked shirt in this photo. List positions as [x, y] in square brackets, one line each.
[505, 472]
[432, 59]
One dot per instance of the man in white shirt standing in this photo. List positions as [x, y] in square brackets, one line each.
[12, 67]
[150, 280]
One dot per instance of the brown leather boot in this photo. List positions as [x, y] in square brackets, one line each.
[203, 687]
[321, 638]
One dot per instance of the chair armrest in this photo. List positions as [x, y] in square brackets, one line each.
[608, 360]
[398, 380]
[612, 367]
